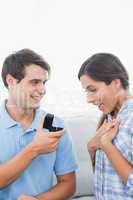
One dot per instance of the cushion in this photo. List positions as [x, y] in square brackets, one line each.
[82, 128]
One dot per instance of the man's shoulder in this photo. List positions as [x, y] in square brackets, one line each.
[2, 110]
[2, 106]
[58, 121]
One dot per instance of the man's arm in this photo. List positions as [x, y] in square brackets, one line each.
[65, 188]
[12, 169]
[65, 164]
[41, 144]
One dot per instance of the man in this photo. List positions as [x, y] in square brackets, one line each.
[29, 155]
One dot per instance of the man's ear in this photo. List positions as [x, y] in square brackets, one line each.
[11, 81]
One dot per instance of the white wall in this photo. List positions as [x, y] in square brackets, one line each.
[66, 32]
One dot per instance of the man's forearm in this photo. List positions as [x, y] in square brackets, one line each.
[61, 191]
[10, 170]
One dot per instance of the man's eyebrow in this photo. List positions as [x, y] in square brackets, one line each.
[35, 79]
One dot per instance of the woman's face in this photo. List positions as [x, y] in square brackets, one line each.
[102, 95]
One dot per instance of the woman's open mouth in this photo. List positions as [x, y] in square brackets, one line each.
[101, 107]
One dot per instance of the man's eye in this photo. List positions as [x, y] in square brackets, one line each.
[44, 82]
[34, 82]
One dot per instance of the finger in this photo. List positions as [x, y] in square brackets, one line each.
[111, 123]
[55, 144]
[115, 123]
[53, 140]
[56, 134]
[105, 121]
[113, 132]
[53, 148]
[21, 197]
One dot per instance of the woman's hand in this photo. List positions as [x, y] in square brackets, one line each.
[109, 135]
[106, 132]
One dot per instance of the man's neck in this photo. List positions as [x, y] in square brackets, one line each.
[23, 116]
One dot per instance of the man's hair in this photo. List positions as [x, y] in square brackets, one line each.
[105, 67]
[16, 63]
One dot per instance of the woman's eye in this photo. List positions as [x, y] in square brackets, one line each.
[91, 91]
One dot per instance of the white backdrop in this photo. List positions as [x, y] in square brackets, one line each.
[66, 32]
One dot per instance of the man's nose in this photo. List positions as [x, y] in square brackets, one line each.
[42, 89]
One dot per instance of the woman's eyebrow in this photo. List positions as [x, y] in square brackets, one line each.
[90, 87]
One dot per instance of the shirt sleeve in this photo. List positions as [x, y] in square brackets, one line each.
[125, 145]
[129, 184]
[66, 161]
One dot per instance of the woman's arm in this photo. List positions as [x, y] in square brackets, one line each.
[122, 166]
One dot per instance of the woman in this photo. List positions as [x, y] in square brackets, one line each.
[106, 84]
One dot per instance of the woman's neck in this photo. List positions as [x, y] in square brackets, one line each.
[121, 99]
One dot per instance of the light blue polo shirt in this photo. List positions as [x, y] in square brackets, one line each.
[38, 177]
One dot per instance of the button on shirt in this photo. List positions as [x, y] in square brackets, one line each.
[108, 185]
[38, 177]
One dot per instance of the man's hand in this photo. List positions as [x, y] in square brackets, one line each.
[44, 143]
[25, 197]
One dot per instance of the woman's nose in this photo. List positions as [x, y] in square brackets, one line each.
[90, 99]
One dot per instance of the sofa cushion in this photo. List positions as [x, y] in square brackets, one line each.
[82, 128]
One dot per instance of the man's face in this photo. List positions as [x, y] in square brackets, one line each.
[28, 93]
[98, 93]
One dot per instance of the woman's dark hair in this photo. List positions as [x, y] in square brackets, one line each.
[105, 67]
[15, 64]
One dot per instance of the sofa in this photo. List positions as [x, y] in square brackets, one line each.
[82, 128]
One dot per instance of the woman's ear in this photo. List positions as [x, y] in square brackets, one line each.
[117, 83]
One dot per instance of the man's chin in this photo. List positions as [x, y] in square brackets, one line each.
[33, 107]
